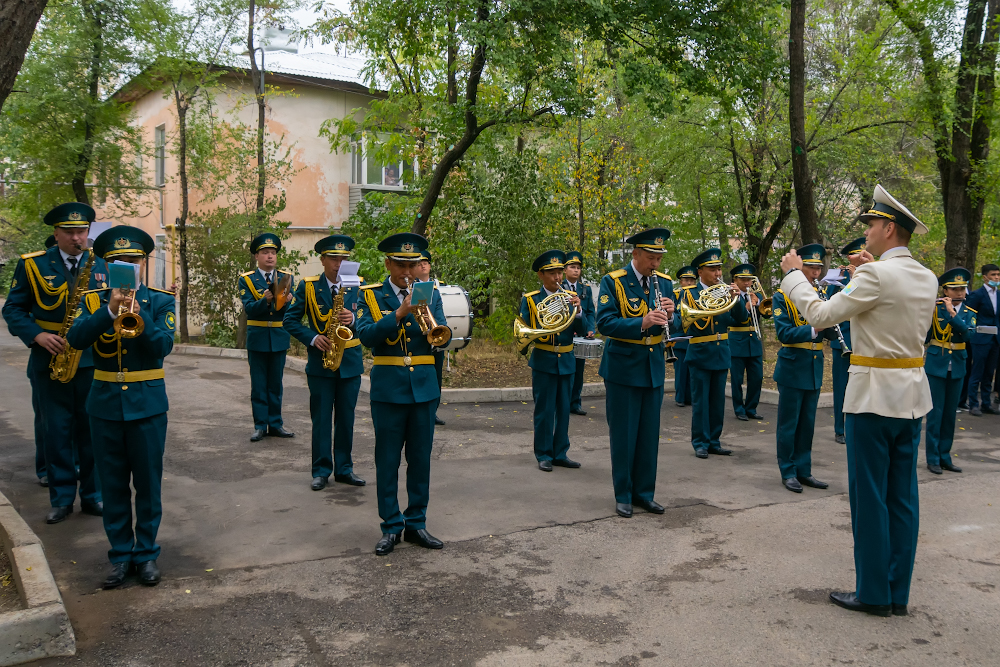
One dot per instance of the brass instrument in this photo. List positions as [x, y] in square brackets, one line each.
[844, 350]
[765, 305]
[338, 337]
[65, 364]
[554, 315]
[129, 323]
[713, 301]
[438, 335]
[670, 356]
[279, 289]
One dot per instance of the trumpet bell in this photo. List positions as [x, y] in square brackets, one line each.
[766, 306]
[129, 325]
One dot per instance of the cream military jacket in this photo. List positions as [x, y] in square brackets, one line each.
[890, 304]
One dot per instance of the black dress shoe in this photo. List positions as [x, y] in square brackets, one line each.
[792, 484]
[680, 405]
[280, 432]
[579, 411]
[850, 601]
[149, 574]
[950, 467]
[565, 463]
[93, 509]
[743, 418]
[623, 510]
[318, 483]
[720, 451]
[438, 421]
[934, 469]
[840, 439]
[349, 478]
[57, 514]
[545, 465]
[813, 482]
[754, 415]
[649, 506]
[116, 577]
[258, 435]
[386, 544]
[900, 610]
[989, 409]
[976, 412]
[701, 453]
[422, 539]
[43, 481]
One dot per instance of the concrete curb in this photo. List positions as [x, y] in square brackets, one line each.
[42, 628]
[472, 395]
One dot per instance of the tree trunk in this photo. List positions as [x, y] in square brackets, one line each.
[78, 180]
[581, 220]
[256, 76]
[797, 122]
[18, 19]
[181, 224]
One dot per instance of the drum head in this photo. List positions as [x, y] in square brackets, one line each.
[458, 312]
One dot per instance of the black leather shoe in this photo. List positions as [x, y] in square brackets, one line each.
[649, 506]
[422, 539]
[721, 451]
[43, 481]
[701, 453]
[386, 544]
[792, 484]
[813, 482]
[565, 463]
[743, 418]
[900, 610]
[950, 467]
[680, 405]
[545, 465]
[258, 435]
[850, 601]
[934, 469]
[438, 421]
[116, 577]
[840, 439]
[93, 509]
[976, 412]
[57, 514]
[149, 574]
[349, 478]
[579, 411]
[989, 409]
[280, 432]
[623, 510]
[754, 415]
[318, 483]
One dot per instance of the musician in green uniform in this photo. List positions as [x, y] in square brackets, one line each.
[745, 346]
[128, 404]
[422, 271]
[799, 375]
[841, 361]
[633, 367]
[708, 358]
[404, 391]
[267, 340]
[584, 326]
[948, 339]
[333, 392]
[688, 278]
[35, 312]
[553, 367]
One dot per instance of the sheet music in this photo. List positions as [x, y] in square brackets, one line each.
[349, 273]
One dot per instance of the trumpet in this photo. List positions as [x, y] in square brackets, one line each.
[844, 350]
[765, 305]
[715, 300]
[129, 323]
[555, 315]
[438, 335]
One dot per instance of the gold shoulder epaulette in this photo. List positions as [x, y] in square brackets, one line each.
[371, 286]
[618, 273]
[311, 279]
[164, 291]
[247, 273]
[972, 309]
[29, 255]
[533, 293]
[663, 275]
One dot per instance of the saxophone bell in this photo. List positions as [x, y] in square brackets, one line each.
[337, 334]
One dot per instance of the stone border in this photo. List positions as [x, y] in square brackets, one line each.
[470, 395]
[42, 628]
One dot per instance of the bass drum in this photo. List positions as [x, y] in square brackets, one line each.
[458, 313]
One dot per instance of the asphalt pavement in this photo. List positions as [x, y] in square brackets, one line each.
[537, 570]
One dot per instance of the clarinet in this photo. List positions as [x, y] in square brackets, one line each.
[671, 357]
[844, 350]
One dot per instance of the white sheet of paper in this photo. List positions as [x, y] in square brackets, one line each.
[349, 273]
[833, 277]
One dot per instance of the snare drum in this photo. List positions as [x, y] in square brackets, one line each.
[584, 348]
[458, 313]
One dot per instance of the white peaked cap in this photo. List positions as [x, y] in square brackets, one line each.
[886, 199]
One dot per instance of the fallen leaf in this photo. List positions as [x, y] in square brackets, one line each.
[188, 590]
[209, 569]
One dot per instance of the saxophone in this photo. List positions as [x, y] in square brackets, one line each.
[65, 364]
[338, 337]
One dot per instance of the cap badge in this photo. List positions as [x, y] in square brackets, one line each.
[659, 240]
[406, 247]
[815, 255]
[339, 246]
[122, 243]
[75, 215]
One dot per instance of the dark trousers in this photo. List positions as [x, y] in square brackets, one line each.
[66, 423]
[964, 396]
[439, 369]
[984, 362]
[39, 429]
[885, 512]
[267, 369]
[841, 365]
[796, 421]
[634, 424]
[945, 393]
[398, 425]
[708, 410]
[576, 393]
[332, 401]
[131, 452]
[753, 368]
[551, 394]
[682, 378]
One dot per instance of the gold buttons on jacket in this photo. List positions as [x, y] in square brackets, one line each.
[124, 387]
[124, 351]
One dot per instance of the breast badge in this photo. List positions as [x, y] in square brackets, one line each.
[604, 298]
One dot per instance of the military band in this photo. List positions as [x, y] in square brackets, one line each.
[686, 278]
[585, 324]
[746, 347]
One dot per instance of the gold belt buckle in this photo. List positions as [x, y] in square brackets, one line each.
[120, 376]
[407, 360]
[649, 340]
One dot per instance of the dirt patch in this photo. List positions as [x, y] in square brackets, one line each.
[9, 599]
[811, 595]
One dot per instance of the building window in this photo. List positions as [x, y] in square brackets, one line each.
[160, 262]
[367, 171]
[160, 155]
